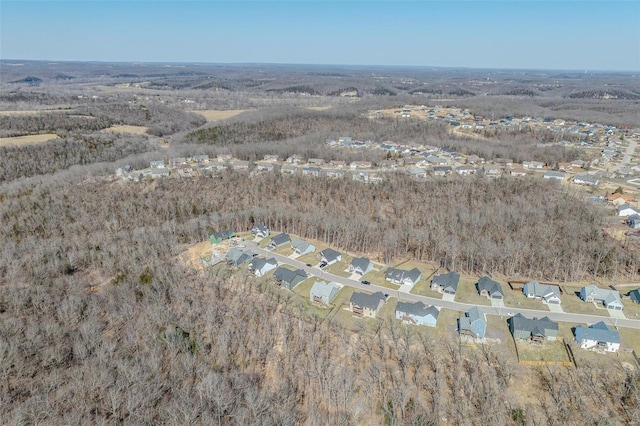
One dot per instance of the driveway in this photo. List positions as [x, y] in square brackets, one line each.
[614, 313]
[555, 307]
[497, 303]
[448, 297]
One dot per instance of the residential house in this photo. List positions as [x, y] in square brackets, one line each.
[532, 164]
[323, 293]
[442, 170]
[185, 170]
[329, 256]
[236, 257]
[626, 210]
[240, 165]
[577, 164]
[361, 176]
[473, 323]
[316, 161]
[508, 162]
[547, 293]
[550, 174]
[278, 241]
[532, 330]
[218, 237]
[388, 164]
[634, 295]
[598, 337]
[159, 173]
[288, 169]
[418, 172]
[260, 266]
[410, 161]
[417, 313]
[489, 288]
[518, 171]
[360, 265]
[157, 164]
[619, 199]
[271, 157]
[311, 171]
[609, 298]
[466, 170]
[265, 166]
[436, 161]
[224, 157]
[334, 173]
[294, 159]
[177, 161]
[403, 277]
[361, 164]
[634, 221]
[259, 230]
[365, 304]
[338, 163]
[474, 159]
[201, 158]
[492, 170]
[302, 247]
[585, 179]
[287, 278]
[446, 283]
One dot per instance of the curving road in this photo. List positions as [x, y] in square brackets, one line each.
[457, 306]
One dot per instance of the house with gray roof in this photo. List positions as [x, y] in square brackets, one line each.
[532, 330]
[473, 323]
[323, 293]
[329, 256]
[626, 210]
[585, 179]
[403, 277]
[418, 172]
[287, 278]
[550, 174]
[365, 304]
[260, 266]
[446, 283]
[360, 265]
[311, 171]
[278, 241]
[417, 313]
[532, 164]
[236, 257]
[598, 337]
[609, 298]
[260, 230]
[442, 170]
[489, 288]
[218, 237]
[634, 295]
[633, 221]
[302, 247]
[547, 293]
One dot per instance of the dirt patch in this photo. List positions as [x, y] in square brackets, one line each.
[319, 108]
[27, 140]
[216, 115]
[134, 130]
[32, 112]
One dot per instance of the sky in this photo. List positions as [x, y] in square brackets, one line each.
[560, 35]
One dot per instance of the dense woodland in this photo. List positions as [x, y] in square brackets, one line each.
[102, 322]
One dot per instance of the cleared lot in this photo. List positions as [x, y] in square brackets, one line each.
[27, 140]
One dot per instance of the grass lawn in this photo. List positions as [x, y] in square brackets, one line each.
[630, 338]
[572, 303]
[339, 268]
[552, 351]
[304, 288]
[467, 293]
[377, 277]
[423, 288]
[285, 250]
[631, 309]
[447, 323]
[311, 258]
[517, 299]
[426, 269]
[499, 329]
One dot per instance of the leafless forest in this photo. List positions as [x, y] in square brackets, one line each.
[101, 322]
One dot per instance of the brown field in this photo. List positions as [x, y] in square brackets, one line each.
[216, 115]
[319, 108]
[27, 140]
[135, 130]
[14, 113]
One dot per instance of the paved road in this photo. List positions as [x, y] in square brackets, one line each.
[457, 306]
[627, 155]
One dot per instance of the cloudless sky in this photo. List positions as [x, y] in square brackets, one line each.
[572, 35]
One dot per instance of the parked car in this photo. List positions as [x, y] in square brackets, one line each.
[365, 282]
[308, 264]
[322, 264]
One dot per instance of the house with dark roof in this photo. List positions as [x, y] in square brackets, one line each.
[236, 257]
[260, 230]
[547, 293]
[302, 247]
[218, 237]
[260, 266]
[634, 295]
[532, 330]
[550, 174]
[311, 171]
[365, 304]
[473, 323]
[626, 210]
[633, 221]
[446, 283]
[442, 170]
[323, 293]
[278, 241]
[598, 337]
[585, 179]
[417, 313]
[329, 256]
[360, 265]
[287, 278]
[489, 288]
[403, 277]
[609, 298]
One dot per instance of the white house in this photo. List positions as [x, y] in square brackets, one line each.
[260, 266]
[598, 337]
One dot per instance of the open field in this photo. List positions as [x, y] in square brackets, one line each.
[572, 303]
[134, 130]
[467, 293]
[217, 115]
[319, 108]
[549, 351]
[27, 140]
[14, 113]
[517, 299]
